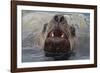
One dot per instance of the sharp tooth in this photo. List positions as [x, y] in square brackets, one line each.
[52, 34]
[62, 35]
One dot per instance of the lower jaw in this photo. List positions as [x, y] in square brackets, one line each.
[59, 56]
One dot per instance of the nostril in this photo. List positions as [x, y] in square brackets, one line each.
[56, 18]
[61, 19]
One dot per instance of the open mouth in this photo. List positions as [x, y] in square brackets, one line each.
[57, 42]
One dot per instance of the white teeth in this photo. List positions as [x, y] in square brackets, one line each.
[62, 35]
[52, 34]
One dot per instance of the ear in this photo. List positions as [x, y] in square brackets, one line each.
[44, 28]
[72, 29]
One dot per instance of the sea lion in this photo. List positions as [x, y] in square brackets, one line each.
[59, 35]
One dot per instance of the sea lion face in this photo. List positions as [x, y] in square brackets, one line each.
[57, 42]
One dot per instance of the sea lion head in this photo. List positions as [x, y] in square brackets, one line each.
[57, 42]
